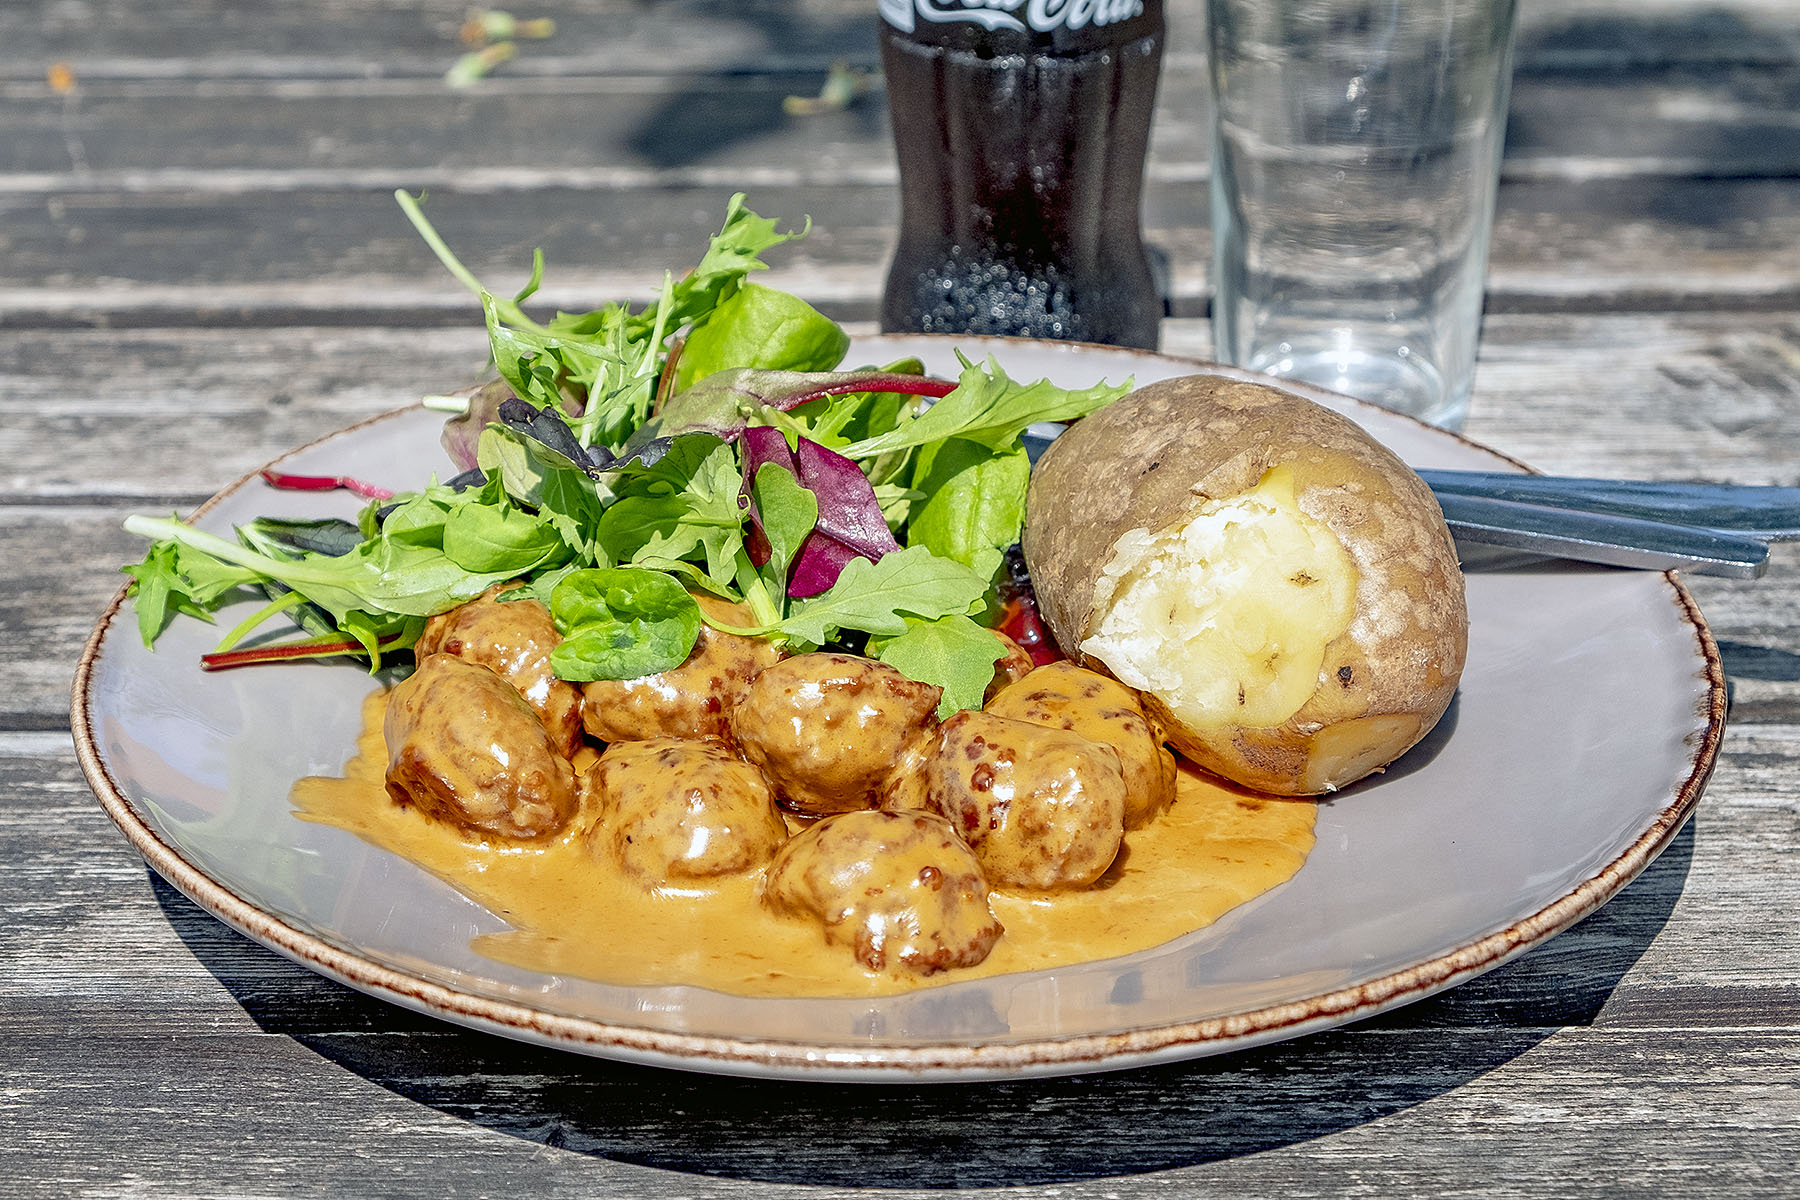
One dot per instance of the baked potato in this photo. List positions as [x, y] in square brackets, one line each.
[1278, 585]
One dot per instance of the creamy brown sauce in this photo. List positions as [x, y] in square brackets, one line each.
[573, 912]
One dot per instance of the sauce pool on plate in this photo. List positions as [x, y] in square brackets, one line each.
[574, 912]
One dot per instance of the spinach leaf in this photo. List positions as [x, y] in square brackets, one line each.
[972, 501]
[621, 623]
[785, 513]
[488, 538]
[761, 327]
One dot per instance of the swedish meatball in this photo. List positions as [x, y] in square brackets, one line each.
[674, 809]
[1062, 695]
[467, 749]
[901, 890]
[826, 728]
[1042, 808]
[693, 700]
[513, 639]
[1014, 666]
[907, 787]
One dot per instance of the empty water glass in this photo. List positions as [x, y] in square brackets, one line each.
[1356, 148]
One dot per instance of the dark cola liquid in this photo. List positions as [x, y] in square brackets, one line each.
[1021, 169]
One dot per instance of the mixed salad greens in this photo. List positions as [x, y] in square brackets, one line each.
[625, 461]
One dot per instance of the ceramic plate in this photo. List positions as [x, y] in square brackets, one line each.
[1586, 725]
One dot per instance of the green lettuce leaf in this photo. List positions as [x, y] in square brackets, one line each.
[621, 623]
[952, 652]
[989, 408]
[877, 597]
[761, 327]
[971, 503]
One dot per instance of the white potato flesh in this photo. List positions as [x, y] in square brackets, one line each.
[1226, 615]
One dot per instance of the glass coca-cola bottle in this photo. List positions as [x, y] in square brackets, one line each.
[1021, 128]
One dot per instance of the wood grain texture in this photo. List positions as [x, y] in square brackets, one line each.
[207, 1051]
[273, 256]
[202, 266]
[359, 39]
[608, 130]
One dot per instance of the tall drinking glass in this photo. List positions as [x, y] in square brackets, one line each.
[1356, 148]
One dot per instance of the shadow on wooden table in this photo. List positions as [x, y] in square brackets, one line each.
[703, 119]
[1028, 1132]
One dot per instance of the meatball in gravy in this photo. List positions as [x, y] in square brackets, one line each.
[677, 809]
[900, 890]
[1041, 808]
[693, 700]
[1064, 696]
[467, 749]
[513, 639]
[1013, 666]
[827, 728]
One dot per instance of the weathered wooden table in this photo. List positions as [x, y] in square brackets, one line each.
[201, 266]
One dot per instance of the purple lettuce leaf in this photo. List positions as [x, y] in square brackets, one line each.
[463, 431]
[850, 521]
[721, 403]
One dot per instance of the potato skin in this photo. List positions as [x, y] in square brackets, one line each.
[1153, 458]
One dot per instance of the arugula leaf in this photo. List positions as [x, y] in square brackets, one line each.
[685, 502]
[600, 368]
[160, 591]
[952, 652]
[391, 575]
[877, 597]
[732, 254]
[621, 623]
[989, 408]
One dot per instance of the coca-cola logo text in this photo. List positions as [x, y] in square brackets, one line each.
[1039, 16]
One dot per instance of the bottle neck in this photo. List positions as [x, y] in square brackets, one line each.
[1018, 26]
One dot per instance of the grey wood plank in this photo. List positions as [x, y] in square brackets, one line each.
[160, 134]
[278, 256]
[404, 1116]
[51, 604]
[173, 415]
[356, 39]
